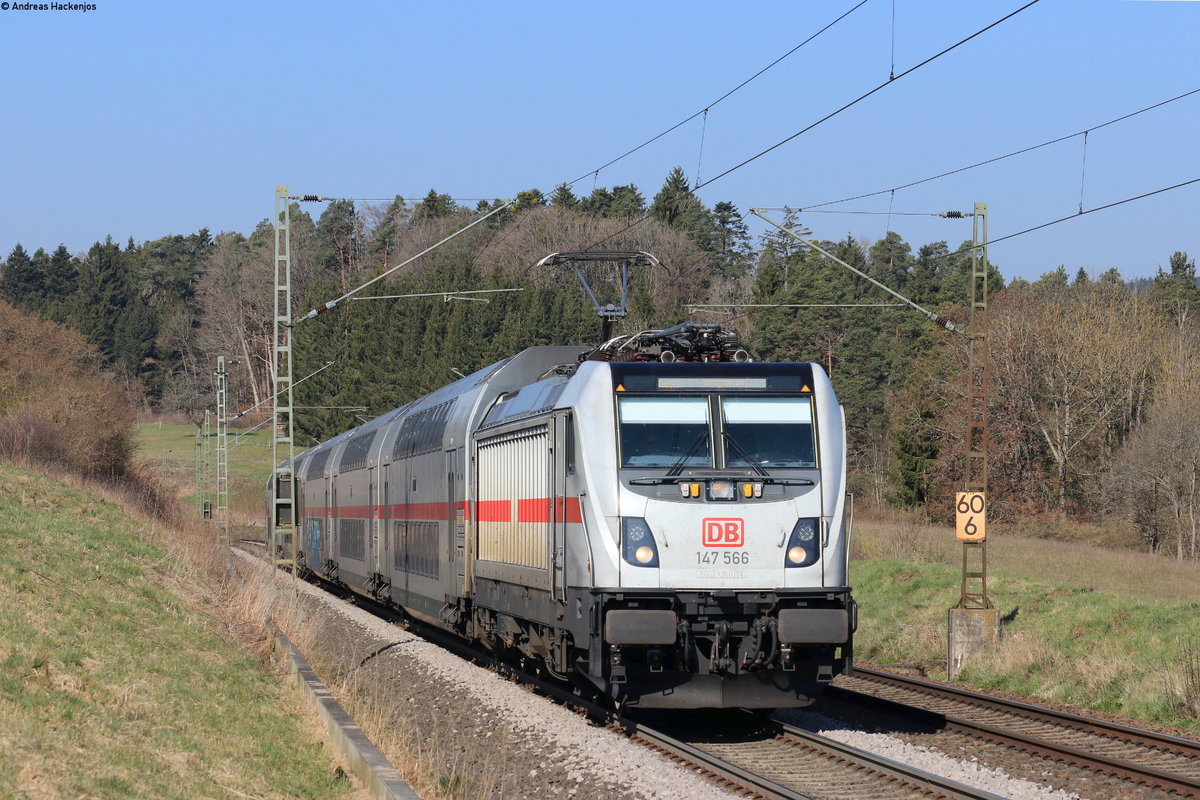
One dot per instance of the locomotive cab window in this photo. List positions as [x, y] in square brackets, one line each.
[665, 432]
[768, 431]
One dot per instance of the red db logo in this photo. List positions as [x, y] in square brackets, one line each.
[724, 532]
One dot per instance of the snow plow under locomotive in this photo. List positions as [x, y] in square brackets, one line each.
[658, 517]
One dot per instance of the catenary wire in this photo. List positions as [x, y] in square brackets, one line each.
[862, 97]
[993, 160]
[676, 126]
[1067, 218]
[829, 116]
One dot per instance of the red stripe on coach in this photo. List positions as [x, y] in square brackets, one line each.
[493, 511]
[533, 510]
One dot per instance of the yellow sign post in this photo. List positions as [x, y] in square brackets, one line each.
[970, 518]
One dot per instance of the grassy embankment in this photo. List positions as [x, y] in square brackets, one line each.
[1113, 630]
[171, 449]
[118, 676]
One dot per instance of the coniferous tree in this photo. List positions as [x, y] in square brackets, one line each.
[1176, 288]
[563, 197]
[598, 203]
[338, 241]
[530, 198]
[434, 205]
[385, 239]
[20, 284]
[627, 202]
[731, 240]
[677, 206]
[40, 273]
[101, 293]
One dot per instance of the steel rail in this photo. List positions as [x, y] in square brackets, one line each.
[895, 769]
[1162, 741]
[727, 771]
[1123, 768]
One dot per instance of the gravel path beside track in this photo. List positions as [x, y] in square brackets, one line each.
[969, 772]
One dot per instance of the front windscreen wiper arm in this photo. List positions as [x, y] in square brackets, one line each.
[682, 462]
[737, 448]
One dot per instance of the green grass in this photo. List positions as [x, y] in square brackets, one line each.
[1109, 630]
[172, 449]
[112, 683]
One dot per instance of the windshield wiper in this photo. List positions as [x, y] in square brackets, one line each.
[682, 462]
[737, 448]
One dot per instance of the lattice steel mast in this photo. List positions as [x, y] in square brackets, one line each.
[283, 527]
[974, 575]
[222, 453]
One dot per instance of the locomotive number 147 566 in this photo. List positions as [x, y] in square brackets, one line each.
[722, 557]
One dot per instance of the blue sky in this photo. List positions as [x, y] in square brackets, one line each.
[146, 119]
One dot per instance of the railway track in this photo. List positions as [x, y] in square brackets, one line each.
[1142, 758]
[752, 755]
[782, 762]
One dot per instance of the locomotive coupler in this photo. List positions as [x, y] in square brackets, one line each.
[760, 644]
[719, 660]
[654, 658]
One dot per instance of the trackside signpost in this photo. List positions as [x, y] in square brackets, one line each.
[973, 626]
[970, 516]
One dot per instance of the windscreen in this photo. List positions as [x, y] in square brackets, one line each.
[768, 431]
[665, 432]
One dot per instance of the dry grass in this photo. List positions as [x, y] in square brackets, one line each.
[436, 771]
[1012, 551]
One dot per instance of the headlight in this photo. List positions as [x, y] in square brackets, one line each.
[721, 490]
[637, 543]
[803, 546]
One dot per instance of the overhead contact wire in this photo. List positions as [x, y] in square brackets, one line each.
[1092, 211]
[1077, 215]
[705, 110]
[829, 116]
[993, 160]
[862, 97]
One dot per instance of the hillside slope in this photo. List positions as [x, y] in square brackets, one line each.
[117, 680]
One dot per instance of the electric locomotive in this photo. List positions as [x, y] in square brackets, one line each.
[659, 518]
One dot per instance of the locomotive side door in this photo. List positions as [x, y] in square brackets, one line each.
[560, 468]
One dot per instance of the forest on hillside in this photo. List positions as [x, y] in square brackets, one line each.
[1094, 380]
